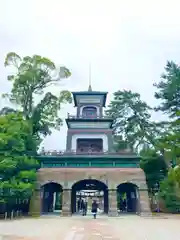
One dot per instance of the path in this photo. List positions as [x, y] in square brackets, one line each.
[86, 228]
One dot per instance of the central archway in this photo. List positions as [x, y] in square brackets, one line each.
[89, 189]
[128, 198]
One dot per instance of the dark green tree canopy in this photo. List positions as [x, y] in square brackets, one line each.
[131, 118]
[168, 90]
[153, 165]
[17, 167]
[35, 113]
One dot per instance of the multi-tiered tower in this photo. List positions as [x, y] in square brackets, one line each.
[89, 131]
[89, 162]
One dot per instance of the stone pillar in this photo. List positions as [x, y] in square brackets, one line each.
[35, 203]
[112, 203]
[137, 198]
[66, 203]
[144, 203]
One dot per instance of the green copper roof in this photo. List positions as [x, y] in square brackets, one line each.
[79, 161]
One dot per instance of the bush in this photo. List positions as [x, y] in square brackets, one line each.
[170, 193]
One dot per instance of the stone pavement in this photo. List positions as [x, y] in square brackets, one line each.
[86, 228]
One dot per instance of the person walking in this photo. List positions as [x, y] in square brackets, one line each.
[124, 205]
[85, 207]
[121, 205]
[78, 204]
[82, 205]
[94, 208]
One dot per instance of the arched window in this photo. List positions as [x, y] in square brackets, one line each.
[89, 112]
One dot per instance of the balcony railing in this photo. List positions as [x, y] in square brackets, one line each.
[69, 116]
[64, 153]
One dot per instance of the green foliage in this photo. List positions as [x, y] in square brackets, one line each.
[21, 130]
[17, 168]
[169, 90]
[154, 167]
[176, 171]
[131, 118]
[31, 79]
[170, 192]
[16, 135]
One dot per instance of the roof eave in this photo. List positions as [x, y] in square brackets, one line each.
[90, 93]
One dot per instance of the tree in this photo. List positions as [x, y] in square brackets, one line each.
[168, 92]
[154, 167]
[31, 79]
[132, 126]
[17, 167]
[131, 118]
[170, 192]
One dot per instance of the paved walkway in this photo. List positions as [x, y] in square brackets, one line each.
[86, 228]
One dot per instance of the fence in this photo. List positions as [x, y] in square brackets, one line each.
[14, 209]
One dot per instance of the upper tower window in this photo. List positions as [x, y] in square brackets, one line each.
[89, 112]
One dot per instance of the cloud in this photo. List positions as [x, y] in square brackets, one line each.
[127, 42]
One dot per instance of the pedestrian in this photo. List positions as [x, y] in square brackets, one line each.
[84, 207]
[79, 204]
[94, 208]
[124, 205]
[121, 205]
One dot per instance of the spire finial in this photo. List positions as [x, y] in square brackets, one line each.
[90, 87]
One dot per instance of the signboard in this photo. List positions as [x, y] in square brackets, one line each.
[90, 193]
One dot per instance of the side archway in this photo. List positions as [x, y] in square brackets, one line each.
[88, 190]
[128, 198]
[51, 198]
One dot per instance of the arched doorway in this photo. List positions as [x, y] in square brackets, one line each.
[51, 198]
[89, 189]
[128, 198]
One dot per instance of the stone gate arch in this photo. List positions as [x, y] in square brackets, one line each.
[89, 189]
[128, 197]
[51, 197]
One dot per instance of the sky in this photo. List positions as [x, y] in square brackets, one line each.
[127, 43]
